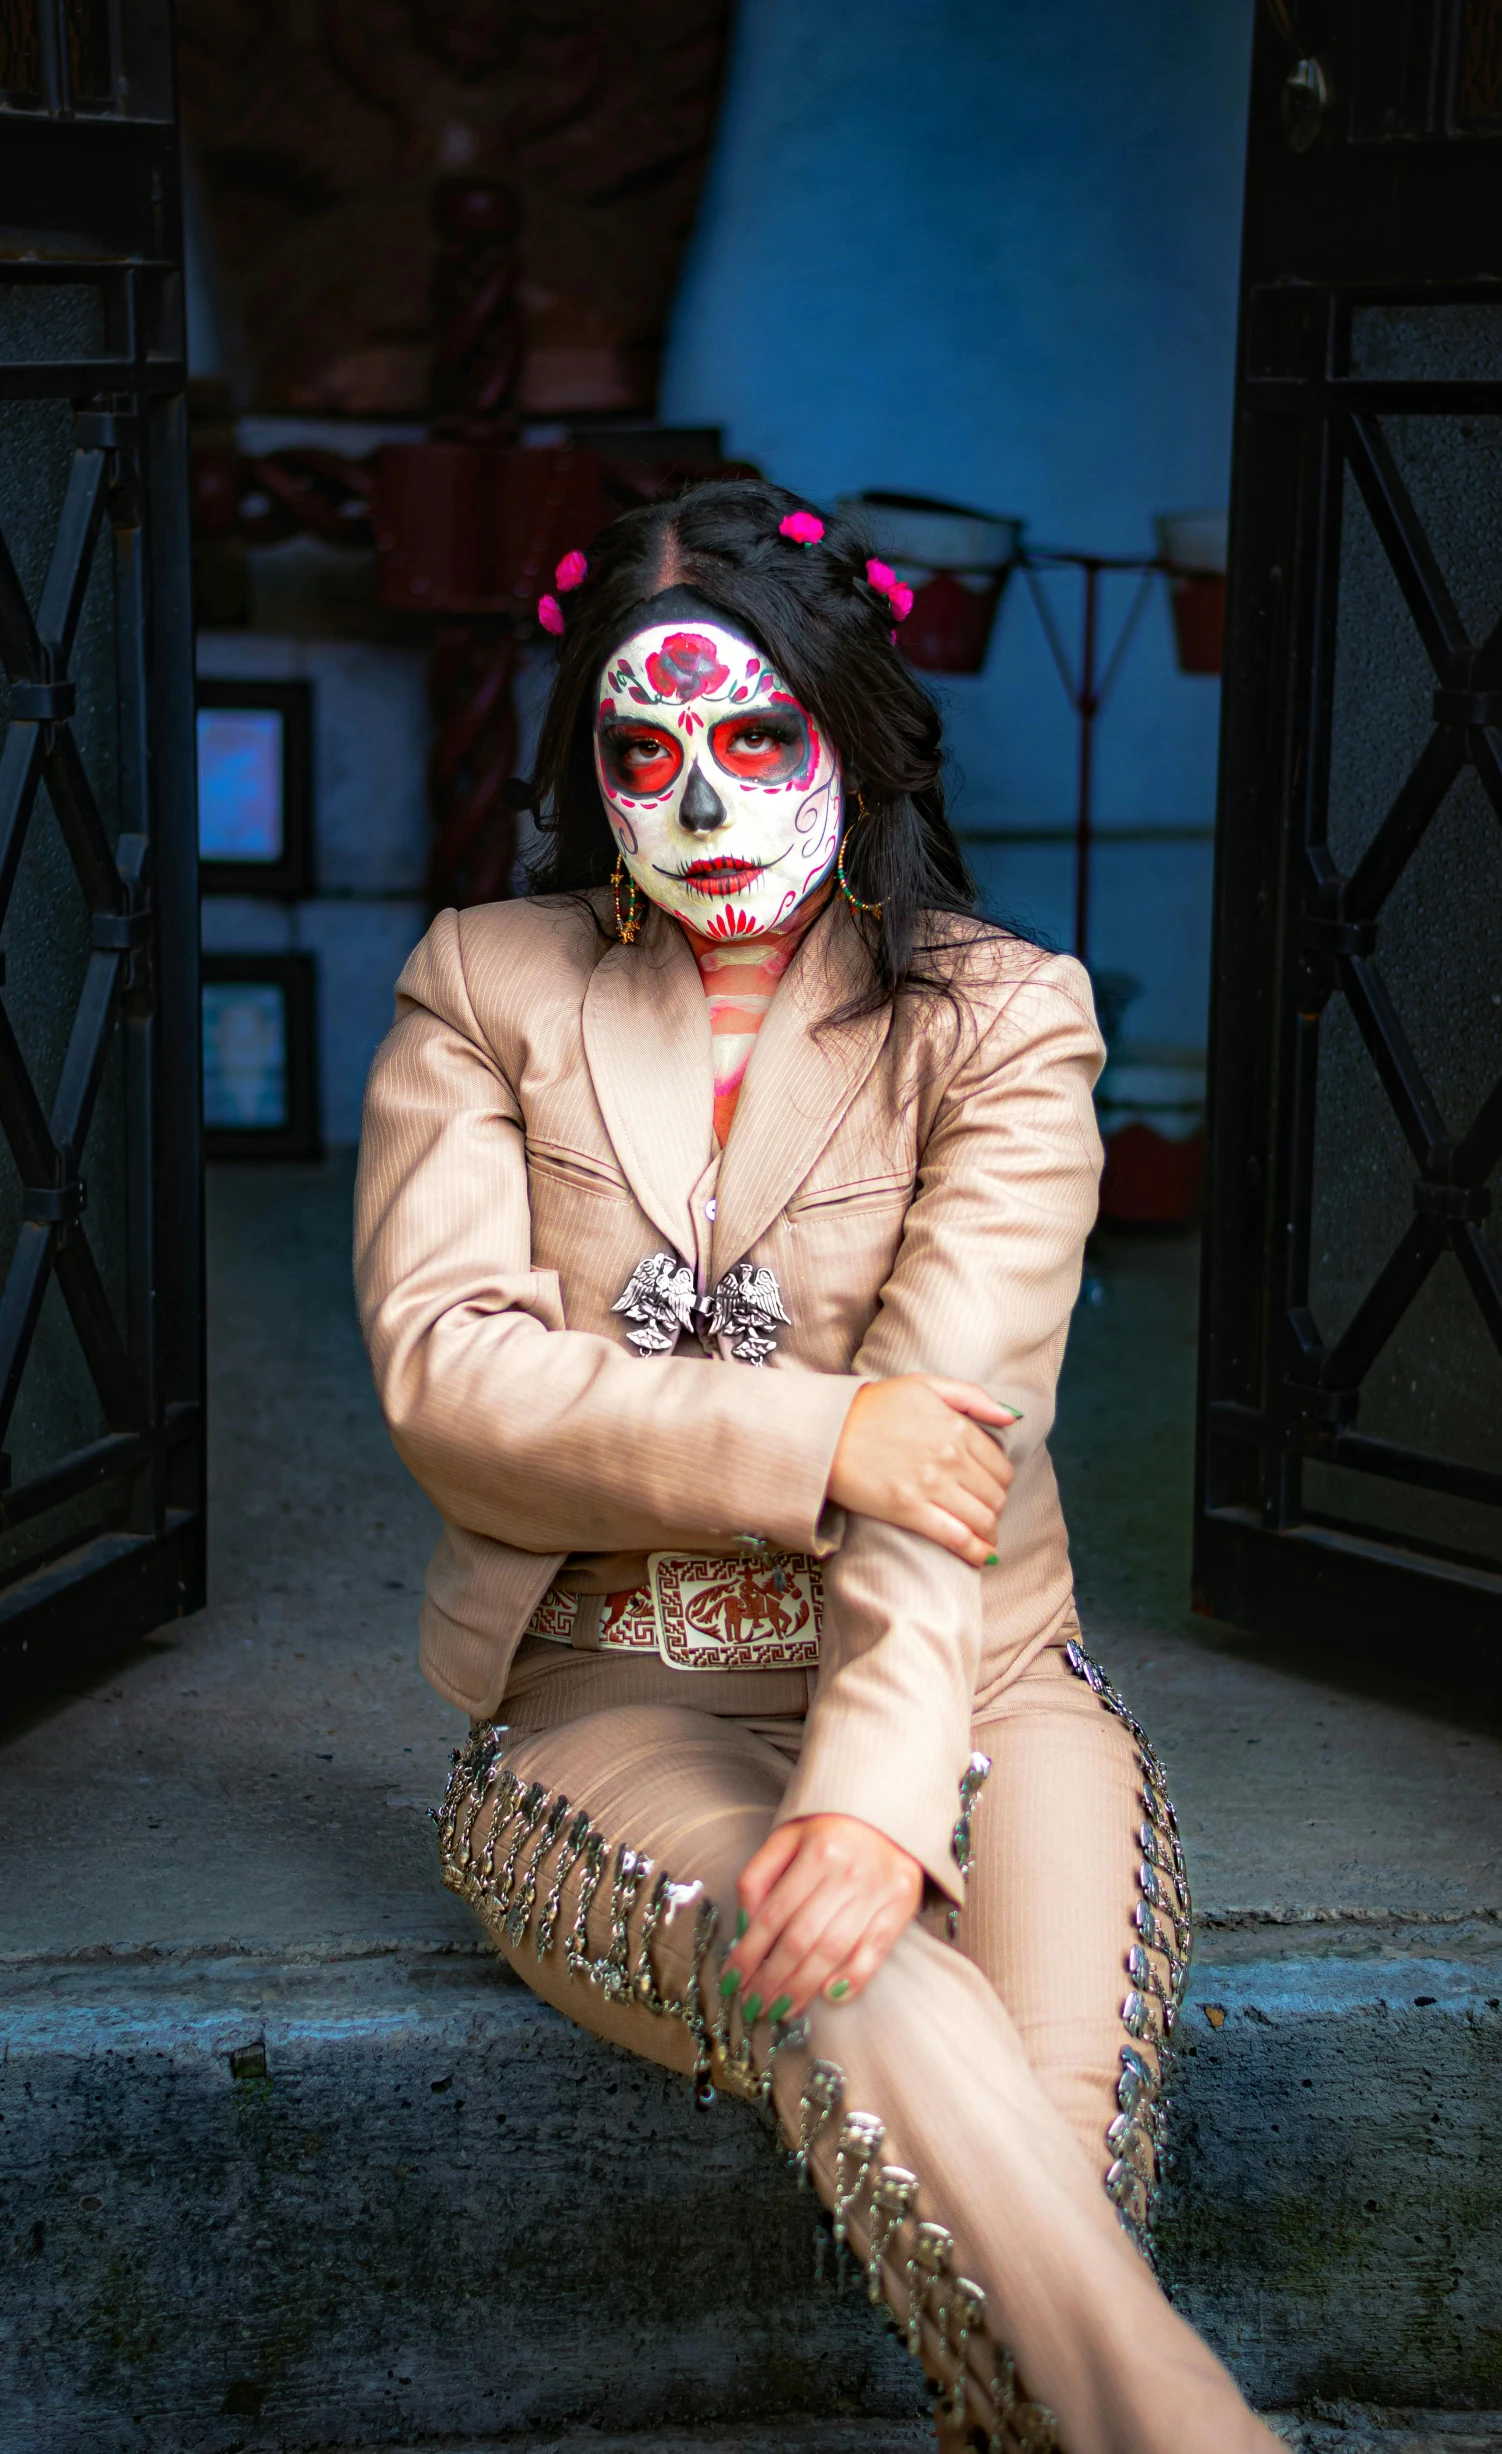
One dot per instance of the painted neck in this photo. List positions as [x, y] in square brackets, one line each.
[740, 978]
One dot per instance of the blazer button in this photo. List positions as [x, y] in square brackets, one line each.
[711, 1209]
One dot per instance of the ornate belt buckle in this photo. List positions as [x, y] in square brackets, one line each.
[553, 1618]
[628, 1625]
[737, 1614]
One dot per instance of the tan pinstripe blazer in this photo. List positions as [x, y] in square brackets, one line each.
[539, 1120]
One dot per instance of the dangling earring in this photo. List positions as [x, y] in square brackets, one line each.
[854, 901]
[626, 929]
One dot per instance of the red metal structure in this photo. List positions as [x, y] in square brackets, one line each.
[466, 525]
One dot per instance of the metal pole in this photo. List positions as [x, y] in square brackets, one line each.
[1087, 703]
[52, 59]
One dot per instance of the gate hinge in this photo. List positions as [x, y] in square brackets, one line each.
[1322, 935]
[54, 1205]
[1306, 1397]
[43, 702]
[1463, 1202]
[119, 932]
[1332, 1409]
[104, 430]
[1468, 707]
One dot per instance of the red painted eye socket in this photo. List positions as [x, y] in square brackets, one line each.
[638, 758]
[765, 749]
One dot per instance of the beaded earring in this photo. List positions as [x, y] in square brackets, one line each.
[626, 928]
[872, 910]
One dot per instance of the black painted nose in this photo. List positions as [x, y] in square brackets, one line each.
[701, 809]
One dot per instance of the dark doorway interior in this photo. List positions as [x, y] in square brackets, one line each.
[1351, 1369]
[101, 1506]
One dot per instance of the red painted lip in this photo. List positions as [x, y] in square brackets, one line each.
[720, 877]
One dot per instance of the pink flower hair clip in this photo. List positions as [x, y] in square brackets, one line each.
[571, 573]
[802, 527]
[882, 577]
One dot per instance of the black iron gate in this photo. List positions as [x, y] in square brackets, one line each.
[1350, 1488]
[101, 1483]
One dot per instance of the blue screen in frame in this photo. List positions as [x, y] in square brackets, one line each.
[244, 1055]
[240, 784]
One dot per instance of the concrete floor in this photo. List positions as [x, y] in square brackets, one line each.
[1305, 1787]
[269, 1762]
[226, 1839]
[1353, 2432]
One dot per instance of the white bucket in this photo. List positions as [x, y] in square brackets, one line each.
[1196, 540]
[1160, 1087]
[912, 530]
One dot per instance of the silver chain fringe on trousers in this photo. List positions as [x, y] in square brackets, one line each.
[982, 2124]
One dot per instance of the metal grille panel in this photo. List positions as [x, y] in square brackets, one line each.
[101, 1502]
[1350, 1486]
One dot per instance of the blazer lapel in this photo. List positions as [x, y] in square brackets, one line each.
[798, 1086]
[646, 1039]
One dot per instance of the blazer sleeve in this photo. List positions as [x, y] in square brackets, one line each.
[982, 1289]
[517, 1427]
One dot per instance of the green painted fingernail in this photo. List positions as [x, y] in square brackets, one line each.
[742, 1921]
[751, 2009]
[728, 1983]
[838, 1990]
[992, 1560]
[781, 2007]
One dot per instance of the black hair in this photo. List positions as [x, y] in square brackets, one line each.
[812, 611]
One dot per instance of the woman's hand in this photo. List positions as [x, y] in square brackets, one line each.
[823, 1901]
[912, 1453]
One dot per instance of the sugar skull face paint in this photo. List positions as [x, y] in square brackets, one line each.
[721, 791]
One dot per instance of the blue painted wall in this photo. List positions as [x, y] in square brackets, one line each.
[989, 252]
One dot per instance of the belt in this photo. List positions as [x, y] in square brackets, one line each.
[699, 1614]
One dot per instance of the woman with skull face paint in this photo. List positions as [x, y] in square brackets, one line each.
[721, 1211]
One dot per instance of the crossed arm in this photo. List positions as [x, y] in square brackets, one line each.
[826, 1896]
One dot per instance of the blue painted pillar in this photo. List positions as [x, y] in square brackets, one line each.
[989, 253]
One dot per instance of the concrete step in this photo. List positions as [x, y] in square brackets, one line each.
[438, 2214]
[774, 2436]
[1347, 2428]
[1333, 2219]
[1359, 2432]
[284, 2202]
[308, 2204]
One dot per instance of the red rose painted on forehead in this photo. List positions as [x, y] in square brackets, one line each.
[685, 666]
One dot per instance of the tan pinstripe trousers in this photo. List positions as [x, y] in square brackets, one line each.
[993, 2063]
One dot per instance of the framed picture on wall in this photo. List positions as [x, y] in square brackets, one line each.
[255, 788]
[260, 1056]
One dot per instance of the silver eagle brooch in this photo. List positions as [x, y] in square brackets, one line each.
[660, 1298]
[743, 1307]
